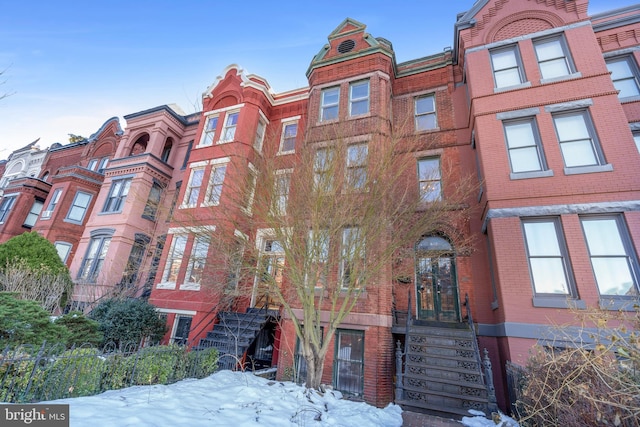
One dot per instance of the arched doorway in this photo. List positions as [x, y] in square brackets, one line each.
[436, 284]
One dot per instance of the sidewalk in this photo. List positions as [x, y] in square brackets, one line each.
[415, 419]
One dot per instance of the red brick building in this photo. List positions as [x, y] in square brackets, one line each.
[538, 100]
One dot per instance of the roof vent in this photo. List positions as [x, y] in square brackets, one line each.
[346, 46]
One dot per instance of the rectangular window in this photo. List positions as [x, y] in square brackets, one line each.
[359, 98]
[357, 166]
[507, 66]
[153, 202]
[103, 164]
[613, 260]
[198, 260]
[117, 195]
[348, 364]
[53, 201]
[425, 112]
[547, 257]
[624, 73]
[329, 104]
[318, 253]
[251, 189]
[523, 145]
[79, 207]
[192, 192]
[352, 258]
[5, 207]
[33, 214]
[94, 258]
[430, 179]
[93, 163]
[577, 139]
[229, 130]
[174, 259]
[209, 131]
[636, 139]
[289, 134]
[63, 249]
[181, 328]
[323, 169]
[553, 57]
[281, 192]
[216, 179]
[257, 143]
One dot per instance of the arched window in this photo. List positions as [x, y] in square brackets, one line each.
[166, 151]
[140, 146]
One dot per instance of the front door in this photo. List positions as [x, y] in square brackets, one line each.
[436, 286]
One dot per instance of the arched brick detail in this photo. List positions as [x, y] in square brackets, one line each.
[523, 23]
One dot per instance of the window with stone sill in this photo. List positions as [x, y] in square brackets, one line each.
[507, 66]
[553, 57]
[229, 129]
[329, 103]
[624, 73]
[425, 112]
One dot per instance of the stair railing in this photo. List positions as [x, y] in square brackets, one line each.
[399, 354]
[484, 365]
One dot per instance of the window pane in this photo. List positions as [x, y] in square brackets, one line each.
[429, 169]
[330, 96]
[510, 77]
[627, 87]
[426, 122]
[503, 59]
[578, 153]
[619, 69]
[425, 104]
[542, 238]
[550, 49]
[548, 275]
[555, 68]
[360, 107]
[520, 134]
[613, 276]
[571, 127]
[349, 362]
[525, 160]
[603, 237]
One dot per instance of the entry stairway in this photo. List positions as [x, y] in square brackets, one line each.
[233, 334]
[442, 371]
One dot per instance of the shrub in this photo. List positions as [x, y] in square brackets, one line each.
[202, 363]
[82, 330]
[16, 369]
[586, 385]
[74, 373]
[125, 321]
[159, 365]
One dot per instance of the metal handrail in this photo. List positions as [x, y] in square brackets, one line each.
[475, 337]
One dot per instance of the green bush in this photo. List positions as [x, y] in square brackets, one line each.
[159, 365]
[25, 322]
[37, 252]
[15, 375]
[202, 363]
[74, 373]
[82, 330]
[126, 321]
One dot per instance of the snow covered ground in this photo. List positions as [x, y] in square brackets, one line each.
[230, 399]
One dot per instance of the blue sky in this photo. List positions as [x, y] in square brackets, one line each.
[72, 65]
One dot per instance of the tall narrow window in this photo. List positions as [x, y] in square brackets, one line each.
[251, 188]
[323, 169]
[613, 260]
[53, 201]
[523, 145]
[229, 130]
[357, 166]
[174, 259]
[192, 192]
[181, 328]
[547, 257]
[216, 179]
[136, 256]
[577, 139]
[103, 164]
[507, 67]
[348, 365]
[430, 179]
[425, 112]
[197, 261]
[153, 202]
[329, 104]
[553, 58]
[94, 258]
[117, 195]
[209, 130]
[259, 139]
[352, 258]
[281, 191]
[318, 253]
[289, 134]
[33, 214]
[624, 73]
[359, 98]
[5, 207]
[79, 207]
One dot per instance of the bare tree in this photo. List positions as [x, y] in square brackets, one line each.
[320, 227]
[5, 94]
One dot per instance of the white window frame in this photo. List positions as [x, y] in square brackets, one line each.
[284, 139]
[429, 185]
[253, 180]
[209, 132]
[261, 130]
[329, 106]
[356, 100]
[356, 167]
[53, 201]
[34, 213]
[421, 115]
[216, 181]
[197, 261]
[323, 171]
[228, 132]
[193, 189]
[174, 261]
[282, 185]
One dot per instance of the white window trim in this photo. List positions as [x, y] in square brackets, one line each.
[203, 137]
[435, 112]
[257, 145]
[193, 166]
[323, 105]
[248, 209]
[286, 122]
[367, 98]
[215, 163]
[224, 128]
